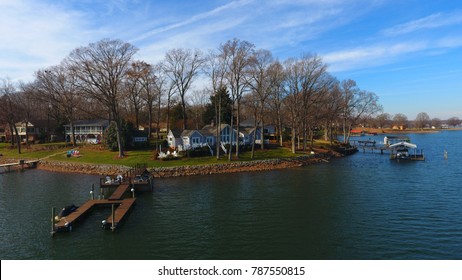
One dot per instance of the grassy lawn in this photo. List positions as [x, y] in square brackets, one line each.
[98, 155]
[33, 152]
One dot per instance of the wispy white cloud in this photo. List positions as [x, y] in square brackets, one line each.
[274, 25]
[373, 55]
[35, 35]
[383, 50]
[436, 20]
[194, 19]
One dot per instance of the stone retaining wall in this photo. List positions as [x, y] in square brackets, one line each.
[84, 168]
[163, 172]
[233, 167]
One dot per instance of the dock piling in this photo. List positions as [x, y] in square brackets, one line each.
[113, 218]
[53, 231]
[92, 192]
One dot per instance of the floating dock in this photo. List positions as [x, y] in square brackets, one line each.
[139, 180]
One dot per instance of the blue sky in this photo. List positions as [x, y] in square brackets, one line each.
[409, 52]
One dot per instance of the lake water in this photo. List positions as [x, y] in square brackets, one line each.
[363, 206]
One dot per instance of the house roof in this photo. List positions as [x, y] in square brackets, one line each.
[250, 122]
[207, 132]
[176, 132]
[403, 144]
[189, 133]
[211, 129]
[97, 122]
[38, 123]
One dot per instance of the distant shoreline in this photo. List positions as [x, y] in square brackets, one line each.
[406, 131]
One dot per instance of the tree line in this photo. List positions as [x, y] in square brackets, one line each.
[237, 80]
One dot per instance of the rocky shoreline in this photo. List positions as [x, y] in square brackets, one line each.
[165, 172]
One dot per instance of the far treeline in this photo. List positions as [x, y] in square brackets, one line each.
[104, 80]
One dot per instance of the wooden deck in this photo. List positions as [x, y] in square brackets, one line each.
[67, 222]
[119, 214]
[119, 192]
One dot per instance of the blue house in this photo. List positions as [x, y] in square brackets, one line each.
[207, 136]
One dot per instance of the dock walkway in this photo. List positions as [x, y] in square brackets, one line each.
[120, 191]
[66, 223]
[119, 214]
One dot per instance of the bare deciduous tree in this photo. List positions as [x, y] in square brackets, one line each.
[314, 82]
[10, 110]
[101, 68]
[134, 89]
[400, 120]
[277, 77]
[149, 93]
[57, 87]
[182, 66]
[236, 54]
[357, 104]
[260, 82]
[422, 120]
[330, 108]
[454, 121]
[215, 67]
[165, 89]
[198, 101]
[293, 98]
[383, 120]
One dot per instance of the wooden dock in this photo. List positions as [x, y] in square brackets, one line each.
[66, 223]
[416, 156]
[136, 179]
[113, 221]
[120, 191]
[21, 164]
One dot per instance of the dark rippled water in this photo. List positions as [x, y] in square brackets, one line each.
[360, 207]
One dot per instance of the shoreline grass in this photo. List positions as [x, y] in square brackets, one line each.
[91, 154]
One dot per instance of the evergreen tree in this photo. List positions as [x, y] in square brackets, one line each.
[211, 108]
[110, 135]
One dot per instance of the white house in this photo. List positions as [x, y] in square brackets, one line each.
[174, 138]
[35, 130]
[90, 131]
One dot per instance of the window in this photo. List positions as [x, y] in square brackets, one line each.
[196, 140]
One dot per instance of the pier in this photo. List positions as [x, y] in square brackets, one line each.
[394, 150]
[21, 164]
[120, 202]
